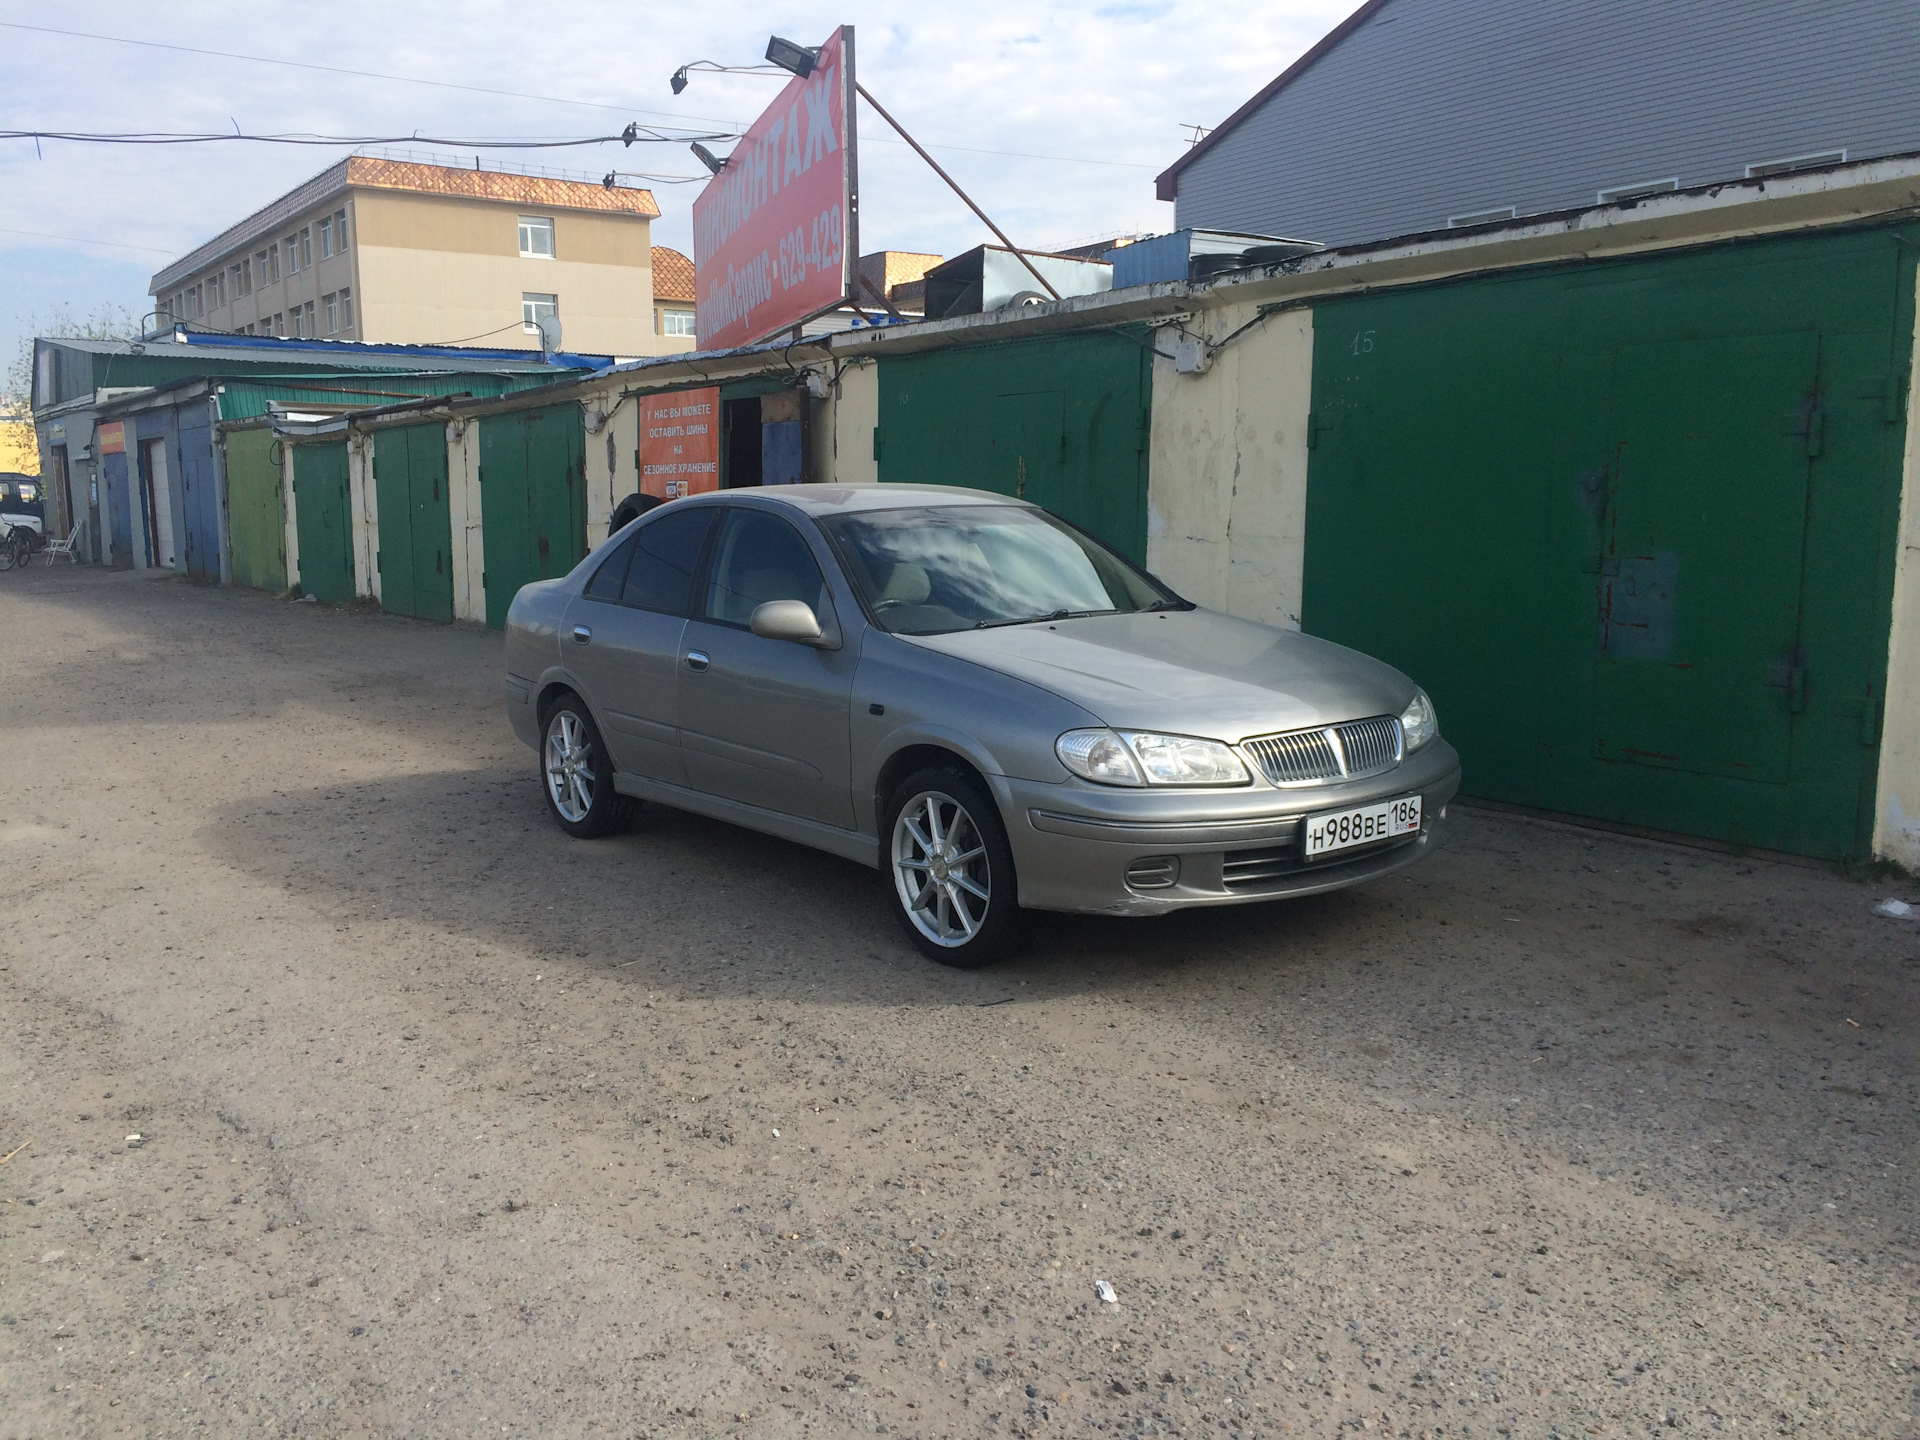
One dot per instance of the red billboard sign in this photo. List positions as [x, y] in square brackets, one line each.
[680, 443]
[774, 237]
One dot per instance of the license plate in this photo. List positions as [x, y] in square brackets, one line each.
[1344, 829]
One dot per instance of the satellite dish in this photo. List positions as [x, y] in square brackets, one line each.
[549, 327]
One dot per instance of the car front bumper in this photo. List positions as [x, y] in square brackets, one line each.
[1082, 847]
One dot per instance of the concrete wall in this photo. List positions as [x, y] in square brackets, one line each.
[843, 432]
[1227, 466]
[365, 511]
[445, 268]
[1896, 828]
[463, 507]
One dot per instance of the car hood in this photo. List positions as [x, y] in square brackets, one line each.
[1193, 672]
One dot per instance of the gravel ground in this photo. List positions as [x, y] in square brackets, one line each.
[450, 1125]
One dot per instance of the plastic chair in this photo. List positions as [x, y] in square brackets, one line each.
[67, 546]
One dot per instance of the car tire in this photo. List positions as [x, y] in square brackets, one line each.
[949, 870]
[576, 773]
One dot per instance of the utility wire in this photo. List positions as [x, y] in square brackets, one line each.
[632, 135]
[738, 126]
[362, 74]
[80, 240]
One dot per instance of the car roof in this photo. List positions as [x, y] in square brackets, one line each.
[825, 500]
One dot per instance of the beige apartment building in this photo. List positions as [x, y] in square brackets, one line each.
[673, 291]
[398, 251]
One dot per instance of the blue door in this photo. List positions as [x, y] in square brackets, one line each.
[199, 493]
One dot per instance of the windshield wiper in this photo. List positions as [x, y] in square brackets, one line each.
[1167, 605]
[1037, 619]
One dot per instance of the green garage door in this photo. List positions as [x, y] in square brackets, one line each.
[323, 513]
[416, 534]
[1632, 525]
[533, 501]
[256, 519]
[1061, 422]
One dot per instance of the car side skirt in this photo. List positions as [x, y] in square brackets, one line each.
[849, 844]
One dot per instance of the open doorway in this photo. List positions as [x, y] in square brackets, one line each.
[157, 495]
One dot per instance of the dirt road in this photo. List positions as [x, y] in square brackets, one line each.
[450, 1125]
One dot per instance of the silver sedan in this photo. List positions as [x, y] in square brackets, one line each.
[979, 700]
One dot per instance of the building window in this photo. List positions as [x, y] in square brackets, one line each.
[536, 236]
[216, 290]
[279, 323]
[270, 267]
[293, 254]
[306, 247]
[260, 275]
[246, 275]
[340, 231]
[326, 238]
[346, 309]
[676, 322]
[310, 326]
[535, 308]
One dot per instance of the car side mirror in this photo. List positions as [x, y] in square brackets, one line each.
[786, 620]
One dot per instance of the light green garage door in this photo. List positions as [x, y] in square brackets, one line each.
[256, 518]
[1632, 525]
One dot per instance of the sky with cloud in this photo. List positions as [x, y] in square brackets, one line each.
[1054, 117]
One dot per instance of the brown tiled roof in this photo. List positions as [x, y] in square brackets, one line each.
[377, 174]
[672, 275]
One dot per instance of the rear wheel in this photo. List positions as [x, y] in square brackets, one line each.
[950, 869]
[577, 772]
[9, 555]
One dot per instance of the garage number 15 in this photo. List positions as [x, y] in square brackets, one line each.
[1362, 342]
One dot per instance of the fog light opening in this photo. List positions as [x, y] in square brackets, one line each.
[1155, 872]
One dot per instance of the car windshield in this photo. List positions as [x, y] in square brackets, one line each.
[965, 567]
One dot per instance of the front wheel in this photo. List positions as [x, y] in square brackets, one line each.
[951, 869]
[577, 773]
[9, 556]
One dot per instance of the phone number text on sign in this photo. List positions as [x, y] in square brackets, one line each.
[810, 250]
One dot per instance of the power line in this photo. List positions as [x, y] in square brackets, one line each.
[362, 74]
[738, 125]
[632, 135]
[82, 240]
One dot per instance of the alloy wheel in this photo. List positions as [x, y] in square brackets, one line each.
[940, 868]
[570, 778]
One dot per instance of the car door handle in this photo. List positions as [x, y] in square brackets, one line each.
[697, 660]
[582, 634]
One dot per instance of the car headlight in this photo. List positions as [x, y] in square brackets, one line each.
[1418, 723]
[1135, 757]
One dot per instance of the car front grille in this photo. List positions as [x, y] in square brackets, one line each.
[1338, 752]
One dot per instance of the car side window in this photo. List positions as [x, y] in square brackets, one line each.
[760, 557]
[666, 552]
[611, 577]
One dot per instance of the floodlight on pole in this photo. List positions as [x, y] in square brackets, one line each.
[789, 56]
[713, 162]
[679, 80]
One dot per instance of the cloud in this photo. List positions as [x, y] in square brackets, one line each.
[1102, 91]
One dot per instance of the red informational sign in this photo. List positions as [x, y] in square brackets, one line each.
[113, 438]
[774, 233]
[680, 443]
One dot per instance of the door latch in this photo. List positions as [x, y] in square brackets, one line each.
[697, 660]
[581, 634]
